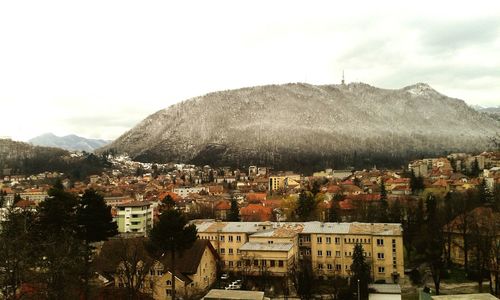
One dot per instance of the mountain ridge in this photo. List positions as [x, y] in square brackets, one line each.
[298, 124]
[71, 142]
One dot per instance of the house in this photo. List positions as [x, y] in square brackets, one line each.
[384, 292]
[222, 209]
[195, 268]
[256, 212]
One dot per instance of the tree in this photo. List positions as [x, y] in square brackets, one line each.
[416, 183]
[95, 224]
[305, 206]
[171, 234]
[167, 203]
[61, 253]
[130, 261]
[234, 213]
[334, 211]
[485, 195]
[17, 251]
[360, 270]
[303, 280]
[383, 205]
[474, 169]
[432, 241]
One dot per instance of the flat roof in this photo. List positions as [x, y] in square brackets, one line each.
[216, 294]
[253, 246]
[134, 204]
[482, 296]
[385, 288]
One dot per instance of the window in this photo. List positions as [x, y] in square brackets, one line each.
[280, 263]
[230, 264]
[256, 263]
[328, 240]
[320, 266]
[238, 263]
[319, 240]
[337, 253]
[222, 238]
[230, 238]
[270, 242]
[264, 263]
[329, 266]
[222, 251]
[169, 292]
[272, 263]
[381, 269]
[308, 252]
[346, 267]
[320, 253]
[380, 242]
[338, 267]
[169, 282]
[159, 272]
[380, 255]
[238, 238]
[151, 272]
[307, 238]
[230, 250]
[328, 253]
[337, 240]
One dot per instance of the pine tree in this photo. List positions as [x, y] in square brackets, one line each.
[172, 234]
[95, 224]
[305, 206]
[234, 213]
[383, 205]
[360, 270]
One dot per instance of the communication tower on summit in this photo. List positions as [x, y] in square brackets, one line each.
[343, 81]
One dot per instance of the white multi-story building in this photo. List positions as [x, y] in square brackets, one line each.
[134, 217]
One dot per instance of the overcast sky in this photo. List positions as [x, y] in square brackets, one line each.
[97, 68]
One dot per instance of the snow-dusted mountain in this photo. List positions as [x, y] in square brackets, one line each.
[69, 142]
[297, 126]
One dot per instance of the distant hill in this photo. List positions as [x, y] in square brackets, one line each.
[309, 127]
[493, 112]
[69, 142]
[23, 158]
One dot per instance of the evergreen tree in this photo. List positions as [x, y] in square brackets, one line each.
[485, 195]
[17, 251]
[383, 205]
[234, 213]
[474, 169]
[305, 206]
[167, 203]
[172, 234]
[61, 252]
[95, 224]
[334, 211]
[360, 270]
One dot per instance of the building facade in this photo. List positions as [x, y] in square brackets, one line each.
[279, 248]
[134, 217]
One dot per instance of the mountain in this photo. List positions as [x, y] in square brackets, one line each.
[69, 142]
[493, 112]
[308, 127]
[23, 158]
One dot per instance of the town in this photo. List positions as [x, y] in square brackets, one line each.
[261, 232]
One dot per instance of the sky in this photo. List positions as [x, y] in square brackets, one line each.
[97, 68]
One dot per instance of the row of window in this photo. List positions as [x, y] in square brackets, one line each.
[229, 251]
[338, 267]
[222, 238]
[256, 263]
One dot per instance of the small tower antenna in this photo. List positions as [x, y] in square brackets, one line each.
[343, 81]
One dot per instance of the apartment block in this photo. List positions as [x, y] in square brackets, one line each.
[134, 217]
[277, 248]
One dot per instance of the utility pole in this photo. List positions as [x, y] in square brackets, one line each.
[359, 295]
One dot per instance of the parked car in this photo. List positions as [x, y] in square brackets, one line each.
[233, 286]
[224, 276]
[237, 281]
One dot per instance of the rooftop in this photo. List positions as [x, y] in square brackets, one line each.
[253, 246]
[216, 294]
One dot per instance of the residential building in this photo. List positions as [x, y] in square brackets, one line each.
[134, 217]
[184, 191]
[326, 247]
